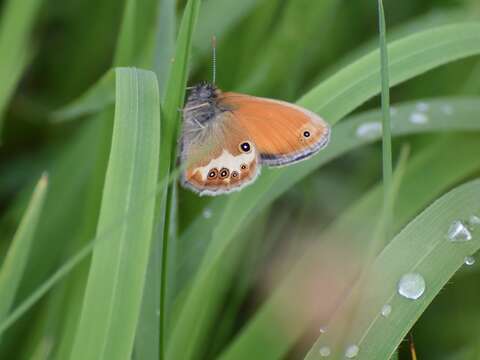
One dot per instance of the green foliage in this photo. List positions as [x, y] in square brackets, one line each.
[116, 262]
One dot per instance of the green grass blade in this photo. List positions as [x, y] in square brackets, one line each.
[13, 267]
[173, 101]
[409, 57]
[387, 137]
[210, 23]
[137, 34]
[16, 24]
[422, 247]
[97, 98]
[165, 40]
[266, 330]
[301, 19]
[115, 285]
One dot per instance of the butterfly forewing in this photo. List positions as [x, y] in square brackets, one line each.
[282, 132]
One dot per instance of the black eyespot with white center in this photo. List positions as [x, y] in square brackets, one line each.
[246, 147]
[306, 134]
[234, 174]
[243, 167]
[213, 173]
[224, 172]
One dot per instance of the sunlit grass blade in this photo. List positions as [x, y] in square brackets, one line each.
[13, 267]
[424, 247]
[16, 23]
[115, 285]
[267, 327]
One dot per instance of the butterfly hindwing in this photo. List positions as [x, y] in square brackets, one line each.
[219, 157]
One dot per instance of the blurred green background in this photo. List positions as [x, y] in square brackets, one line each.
[53, 51]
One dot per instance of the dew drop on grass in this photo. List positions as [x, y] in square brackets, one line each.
[386, 310]
[411, 286]
[207, 213]
[458, 232]
[473, 221]
[324, 351]
[469, 260]
[369, 130]
[421, 106]
[351, 351]
[418, 118]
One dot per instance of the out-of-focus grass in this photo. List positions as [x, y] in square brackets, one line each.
[223, 296]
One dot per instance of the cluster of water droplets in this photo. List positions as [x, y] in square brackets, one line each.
[369, 130]
[460, 230]
[412, 285]
[420, 116]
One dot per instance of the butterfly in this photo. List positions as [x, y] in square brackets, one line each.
[226, 137]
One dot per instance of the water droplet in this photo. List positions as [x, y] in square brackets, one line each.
[323, 330]
[469, 260]
[324, 351]
[473, 221]
[351, 351]
[386, 310]
[369, 130]
[458, 232]
[207, 213]
[447, 109]
[418, 118]
[411, 286]
[422, 106]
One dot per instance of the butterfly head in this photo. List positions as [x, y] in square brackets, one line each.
[203, 92]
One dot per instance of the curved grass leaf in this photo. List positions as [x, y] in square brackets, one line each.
[13, 267]
[409, 57]
[266, 331]
[95, 99]
[423, 247]
[115, 285]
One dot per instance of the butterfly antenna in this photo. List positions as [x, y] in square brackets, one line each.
[214, 59]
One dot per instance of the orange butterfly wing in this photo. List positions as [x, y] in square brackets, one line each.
[283, 133]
